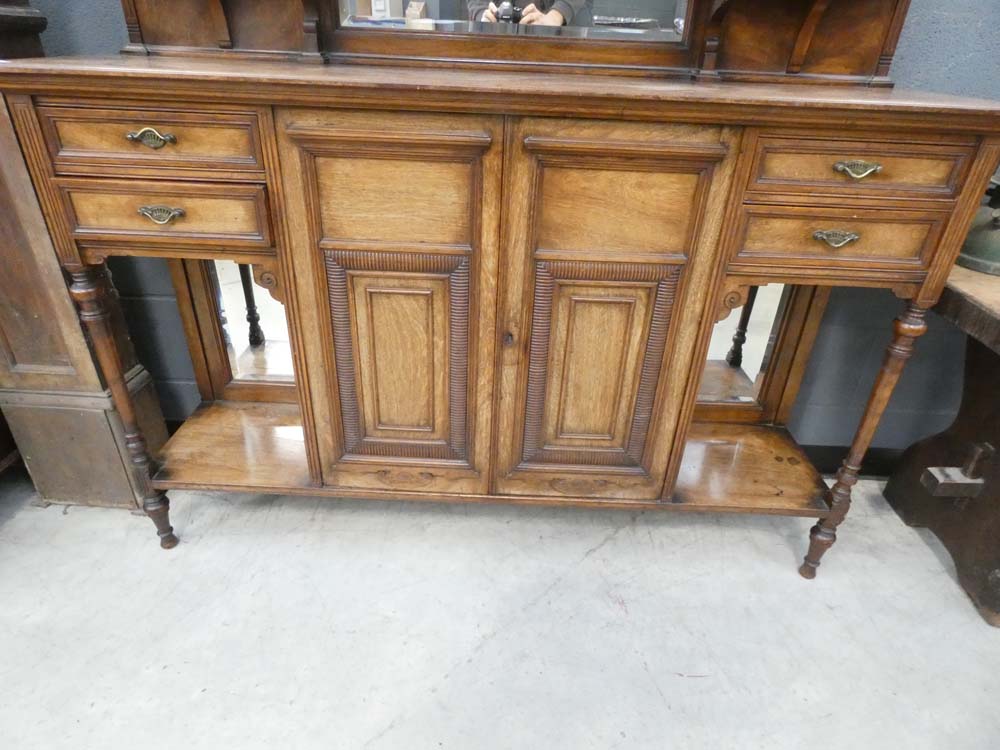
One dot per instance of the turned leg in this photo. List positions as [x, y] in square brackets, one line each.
[253, 317]
[908, 327]
[89, 290]
[735, 356]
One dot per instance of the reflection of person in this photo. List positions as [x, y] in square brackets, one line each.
[539, 12]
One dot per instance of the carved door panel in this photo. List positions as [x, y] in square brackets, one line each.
[394, 238]
[606, 223]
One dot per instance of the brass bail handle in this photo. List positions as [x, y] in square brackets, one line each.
[151, 137]
[836, 238]
[161, 214]
[857, 169]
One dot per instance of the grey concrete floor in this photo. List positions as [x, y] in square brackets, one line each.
[298, 623]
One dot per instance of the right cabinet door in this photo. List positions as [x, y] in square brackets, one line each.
[610, 240]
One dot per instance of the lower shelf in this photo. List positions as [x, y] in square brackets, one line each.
[722, 383]
[258, 447]
[238, 446]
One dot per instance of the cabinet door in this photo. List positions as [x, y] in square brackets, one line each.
[609, 246]
[394, 240]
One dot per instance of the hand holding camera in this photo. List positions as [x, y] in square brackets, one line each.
[507, 12]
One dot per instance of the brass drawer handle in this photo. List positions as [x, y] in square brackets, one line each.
[151, 137]
[161, 214]
[857, 168]
[836, 238]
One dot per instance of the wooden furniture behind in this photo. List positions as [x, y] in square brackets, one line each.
[530, 325]
[66, 427]
[950, 483]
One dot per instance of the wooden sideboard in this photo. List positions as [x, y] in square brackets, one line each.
[530, 324]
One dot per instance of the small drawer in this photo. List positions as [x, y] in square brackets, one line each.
[150, 142]
[837, 166]
[168, 213]
[830, 237]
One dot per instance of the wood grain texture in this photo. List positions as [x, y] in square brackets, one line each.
[182, 23]
[780, 236]
[750, 466]
[971, 300]
[237, 444]
[400, 333]
[41, 345]
[400, 88]
[802, 164]
[457, 281]
[92, 140]
[589, 326]
[598, 337]
[360, 200]
[587, 207]
[259, 447]
[107, 211]
[909, 326]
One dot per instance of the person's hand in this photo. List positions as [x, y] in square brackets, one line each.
[490, 14]
[532, 16]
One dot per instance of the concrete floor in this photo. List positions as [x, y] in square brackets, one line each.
[295, 623]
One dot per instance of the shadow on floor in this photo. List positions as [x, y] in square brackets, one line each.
[16, 491]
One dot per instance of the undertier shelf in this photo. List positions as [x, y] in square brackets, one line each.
[258, 447]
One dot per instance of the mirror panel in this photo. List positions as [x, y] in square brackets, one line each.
[623, 20]
[253, 324]
[740, 350]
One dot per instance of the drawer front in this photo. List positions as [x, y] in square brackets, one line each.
[835, 237]
[167, 213]
[97, 140]
[859, 167]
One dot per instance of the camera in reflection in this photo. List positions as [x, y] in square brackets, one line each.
[507, 12]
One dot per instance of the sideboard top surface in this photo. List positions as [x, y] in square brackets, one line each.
[263, 82]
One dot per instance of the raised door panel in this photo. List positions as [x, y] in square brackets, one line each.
[400, 332]
[395, 234]
[605, 220]
[597, 341]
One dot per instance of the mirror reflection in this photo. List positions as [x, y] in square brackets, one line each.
[645, 20]
[740, 349]
[253, 325]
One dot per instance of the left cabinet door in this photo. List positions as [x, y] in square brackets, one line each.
[392, 227]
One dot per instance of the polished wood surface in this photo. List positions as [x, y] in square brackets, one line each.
[252, 81]
[748, 467]
[484, 303]
[850, 41]
[233, 445]
[587, 327]
[397, 307]
[847, 41]
[91, 290]
[94, 140]
[728, 468]
[786, 235]
[806, 164]
[908, 327]
[721, 382]
[108, 211]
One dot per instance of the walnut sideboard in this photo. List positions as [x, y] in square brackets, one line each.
[529, 323]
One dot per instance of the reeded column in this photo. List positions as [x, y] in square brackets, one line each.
[909, 326]
[89, 289]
